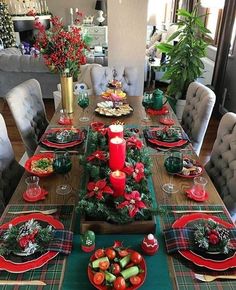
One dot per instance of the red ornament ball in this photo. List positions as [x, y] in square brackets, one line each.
[213, 239]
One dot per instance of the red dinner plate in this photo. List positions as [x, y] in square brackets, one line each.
[61, 145]
[197, 259]
[38, 157]
[35, 263]
[142, 275]
[168, 144]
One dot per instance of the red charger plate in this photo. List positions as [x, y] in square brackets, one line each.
[14, 267]
[141, 275]
[41, 196]
[59, 145]
[38, 157]
[218, 265]
[168, 144]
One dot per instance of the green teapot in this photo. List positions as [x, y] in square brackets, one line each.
[157, 97]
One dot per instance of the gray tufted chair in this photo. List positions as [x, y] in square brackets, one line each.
[100, 76]
[200, 101]
[27, 107]
[222, 164]
[10, 170]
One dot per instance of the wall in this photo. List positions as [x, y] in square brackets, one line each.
[127, 22]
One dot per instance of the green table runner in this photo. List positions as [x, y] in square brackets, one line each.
[50, 273]
[184, 270]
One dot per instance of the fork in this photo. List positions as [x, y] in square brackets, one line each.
[48, 211]
[209, 278]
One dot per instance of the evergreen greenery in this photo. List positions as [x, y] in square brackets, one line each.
[184, 64]
[6, 26]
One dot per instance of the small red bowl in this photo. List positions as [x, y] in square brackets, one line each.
[38, 157]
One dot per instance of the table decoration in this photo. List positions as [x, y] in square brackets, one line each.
[98, 200]
[116, 130]
[149, 245]
[88, 241]
[40, 196]
[63, 51]
[117, 267]
[117, 153]
[118, 179]
[40, 164]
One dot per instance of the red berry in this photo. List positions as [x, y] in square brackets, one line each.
[213, 239]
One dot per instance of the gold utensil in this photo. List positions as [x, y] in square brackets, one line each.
[209, 278]
[21, 282]
[48, 211]
[200, 211]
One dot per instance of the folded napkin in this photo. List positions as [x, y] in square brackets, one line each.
[183, 239]
[62, 242]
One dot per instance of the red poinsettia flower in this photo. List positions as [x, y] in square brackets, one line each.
[137, 171]
[103, 131]
[133, 141]
[133, 202]
[100, 155]
[98, 188]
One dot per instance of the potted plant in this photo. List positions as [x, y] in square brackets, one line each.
[183, 64]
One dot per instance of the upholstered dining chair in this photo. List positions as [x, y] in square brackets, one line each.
[222, 164]
[200, 101]
[128, 76]
[10, 170]
[27, 107]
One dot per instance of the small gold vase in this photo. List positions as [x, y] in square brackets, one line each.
[67, 94]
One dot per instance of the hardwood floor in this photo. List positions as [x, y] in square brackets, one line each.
[49, 105]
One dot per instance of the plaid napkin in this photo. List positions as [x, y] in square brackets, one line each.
[183, 239]
[62, 242]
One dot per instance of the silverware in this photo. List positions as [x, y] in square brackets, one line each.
[48, 211]
[209, 278]
[22, 282]
[200, 211]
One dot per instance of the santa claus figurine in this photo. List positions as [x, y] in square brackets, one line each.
[149, 245]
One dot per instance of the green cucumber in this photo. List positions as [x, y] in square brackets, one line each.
[132, 271]
[95, 263]
[124, 261]
[109, 277]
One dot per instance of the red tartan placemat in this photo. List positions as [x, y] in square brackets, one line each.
[184, 270]
[51, 273]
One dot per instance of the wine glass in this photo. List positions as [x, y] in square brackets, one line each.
[174, 164]
[147, 103]
[62, 164]
[83, 102]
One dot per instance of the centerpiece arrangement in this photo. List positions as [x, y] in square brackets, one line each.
[63, 51]
[116, 181]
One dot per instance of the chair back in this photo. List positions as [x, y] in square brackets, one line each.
[28, 110]
[128, 76]
[222, 164]
[10, 170]
[200, 101]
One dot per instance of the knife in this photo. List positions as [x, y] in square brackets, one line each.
[22, 282]
[200, 211]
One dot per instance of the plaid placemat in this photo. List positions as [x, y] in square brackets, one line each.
[51, 272]
[184, 270]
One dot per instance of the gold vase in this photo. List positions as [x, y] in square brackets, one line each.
[67, 94]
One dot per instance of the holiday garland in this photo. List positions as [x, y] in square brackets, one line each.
[212, 237]
[25, 239]
[97, 200]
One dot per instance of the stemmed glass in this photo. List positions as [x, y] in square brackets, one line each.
[147, 103]
[174, 164]
[62, 164]
[83, 102]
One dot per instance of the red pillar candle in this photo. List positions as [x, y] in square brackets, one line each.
[117, 153]
[118, 179]
[116, 131]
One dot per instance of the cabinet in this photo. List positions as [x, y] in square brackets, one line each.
[98, 34]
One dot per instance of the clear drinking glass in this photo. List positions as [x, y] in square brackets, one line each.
[62, 164]
[33, 188]
[199, 186]
[174, 164]
[83, 102]
[146, 102]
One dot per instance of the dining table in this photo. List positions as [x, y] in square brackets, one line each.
[164, 271]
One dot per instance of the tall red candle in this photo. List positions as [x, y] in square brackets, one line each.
[118, 179]
[116, 131]
[117, 153]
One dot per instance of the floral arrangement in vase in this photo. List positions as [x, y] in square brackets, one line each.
[63, 50]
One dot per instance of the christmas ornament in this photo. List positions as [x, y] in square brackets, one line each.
[149, 245]
[88, 241]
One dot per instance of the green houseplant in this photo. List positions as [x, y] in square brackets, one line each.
[184, 64]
